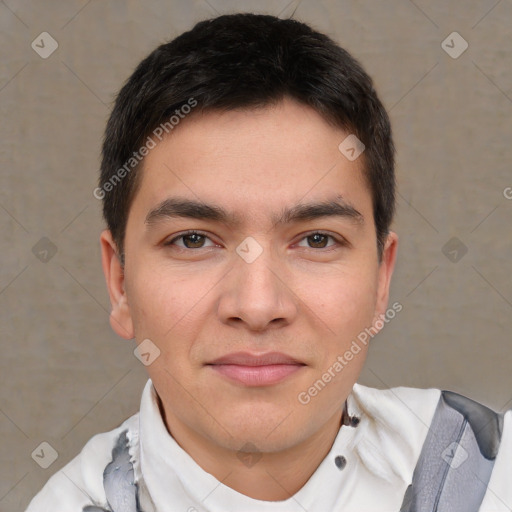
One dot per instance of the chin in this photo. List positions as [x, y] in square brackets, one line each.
[268, 431]
[257, 441]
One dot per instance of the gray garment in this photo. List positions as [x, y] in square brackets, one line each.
[451, 475]
[456, 459]
[118, 481]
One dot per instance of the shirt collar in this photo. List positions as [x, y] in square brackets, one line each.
[172, 476]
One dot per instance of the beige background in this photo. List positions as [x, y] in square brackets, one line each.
[66, 376]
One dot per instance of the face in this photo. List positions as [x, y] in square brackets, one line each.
[278, 278]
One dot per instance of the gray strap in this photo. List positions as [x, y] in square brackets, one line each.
[118, 479]
[457, 457]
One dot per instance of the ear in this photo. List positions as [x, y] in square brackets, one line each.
[120, 316]
[386, 267]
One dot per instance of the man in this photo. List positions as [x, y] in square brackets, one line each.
[248, 189]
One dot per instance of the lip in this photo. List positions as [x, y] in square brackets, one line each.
[256, 369]
[248, 359]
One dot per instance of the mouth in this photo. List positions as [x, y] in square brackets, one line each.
[256, 370]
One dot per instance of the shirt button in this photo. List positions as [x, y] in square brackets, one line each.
[340, 462]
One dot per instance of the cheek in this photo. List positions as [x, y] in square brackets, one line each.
[344, 300]
[346, 307]
[160, 301]
[358, 301]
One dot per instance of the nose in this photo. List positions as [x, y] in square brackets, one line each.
[259, 293]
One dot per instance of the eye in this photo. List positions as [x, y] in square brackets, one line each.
[197, 240]
[319, 240]
[190, 240]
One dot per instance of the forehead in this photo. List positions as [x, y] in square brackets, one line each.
[254, 162]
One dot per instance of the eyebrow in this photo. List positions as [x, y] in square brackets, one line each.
[176, 207]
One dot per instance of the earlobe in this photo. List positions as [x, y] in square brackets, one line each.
[385, 273]
[120, 316]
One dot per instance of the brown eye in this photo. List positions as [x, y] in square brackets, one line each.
[190, 240]
[193, 241]
[319, 241]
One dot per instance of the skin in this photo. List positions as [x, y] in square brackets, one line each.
[197, 299]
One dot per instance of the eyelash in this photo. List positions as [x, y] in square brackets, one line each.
[339, 241]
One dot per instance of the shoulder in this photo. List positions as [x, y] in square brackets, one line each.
[80, 482]
[399, 408]
[414, 411]
[393, 426]
[401, 422]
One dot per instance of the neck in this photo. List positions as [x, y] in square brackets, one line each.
[270, 476]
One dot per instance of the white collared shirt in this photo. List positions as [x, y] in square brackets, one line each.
[369, 466]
